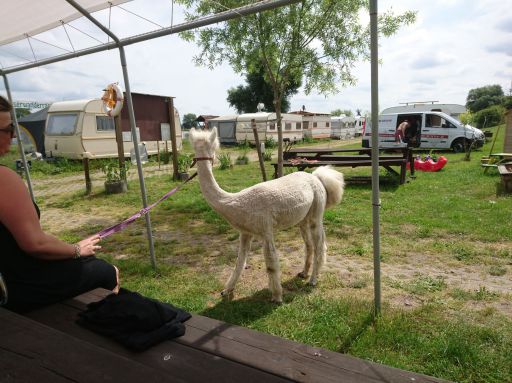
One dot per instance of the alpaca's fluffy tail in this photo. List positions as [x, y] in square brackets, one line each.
[333, 183]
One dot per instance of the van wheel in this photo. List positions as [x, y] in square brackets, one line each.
[458, 145]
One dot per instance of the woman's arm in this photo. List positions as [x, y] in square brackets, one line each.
[18, 214]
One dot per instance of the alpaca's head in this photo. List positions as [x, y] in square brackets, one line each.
[204, 142]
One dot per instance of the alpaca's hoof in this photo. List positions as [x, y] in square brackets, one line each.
[302, 275]
[247, 266]
[227, 295]
[276, 301]
[313, 282]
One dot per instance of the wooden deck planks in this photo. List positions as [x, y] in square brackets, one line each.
[33, 352]
[182, 361]
[233, 346]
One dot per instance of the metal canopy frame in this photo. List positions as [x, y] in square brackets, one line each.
[120, 44]
[200, 22]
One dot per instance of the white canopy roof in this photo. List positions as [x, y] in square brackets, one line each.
[29, 17]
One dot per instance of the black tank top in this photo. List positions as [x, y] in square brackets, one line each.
[13, 260]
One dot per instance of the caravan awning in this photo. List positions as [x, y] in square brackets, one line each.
[24, 18]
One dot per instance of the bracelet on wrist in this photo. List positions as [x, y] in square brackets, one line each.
[77, 251]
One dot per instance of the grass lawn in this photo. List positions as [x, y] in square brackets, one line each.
[446, 266]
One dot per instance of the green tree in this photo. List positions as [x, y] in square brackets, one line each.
[314, 41]
[491, 116]
[246, 98]
[484, 97]
[189, 121]
[21, 112]
[339, 112]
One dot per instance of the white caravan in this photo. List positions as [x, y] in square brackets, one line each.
[81, 129]
[266, 125]
[226, 128]
[431, 130]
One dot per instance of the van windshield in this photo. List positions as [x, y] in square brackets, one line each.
[61, 124]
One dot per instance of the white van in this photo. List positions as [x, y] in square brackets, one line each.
[430, 130]
[81, 129]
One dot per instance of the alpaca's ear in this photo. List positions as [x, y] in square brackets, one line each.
[213, 135]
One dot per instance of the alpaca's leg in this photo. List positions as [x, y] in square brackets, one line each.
[308, 242]
[317, 231]
[273, 271]
[243, 250]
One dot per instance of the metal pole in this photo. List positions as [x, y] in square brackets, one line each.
[375, 152]
[131, 115]
[20, 144]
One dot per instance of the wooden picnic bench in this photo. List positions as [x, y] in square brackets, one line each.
[303, 158]
[48, 346]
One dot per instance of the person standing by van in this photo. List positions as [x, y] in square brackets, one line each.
[40, 269]
[400, 132]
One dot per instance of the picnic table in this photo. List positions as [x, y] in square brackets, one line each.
[495, 159]
[303, 158]
[48, 346]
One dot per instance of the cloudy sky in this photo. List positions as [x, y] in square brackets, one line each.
[454, 46]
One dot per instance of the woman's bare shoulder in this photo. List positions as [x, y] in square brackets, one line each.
[10, 181]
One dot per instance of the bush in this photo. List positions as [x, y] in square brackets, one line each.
[244, 145]
[467, 118]
[507, 102]
[242, 159]
[184, 162]
[267, 155]
[490, 116]
[270, 142]
[225, 161]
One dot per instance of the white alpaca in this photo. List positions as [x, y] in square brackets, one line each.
[297, 198]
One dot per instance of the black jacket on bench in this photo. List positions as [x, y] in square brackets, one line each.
[135, 321]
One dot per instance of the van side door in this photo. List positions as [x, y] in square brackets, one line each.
[436, 133]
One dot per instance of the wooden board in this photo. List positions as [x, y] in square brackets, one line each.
[169, 358]
[32, 352]
[241, 347]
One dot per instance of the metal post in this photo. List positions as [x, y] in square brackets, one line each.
[174, 146]
[375, 152]
[20, 144]
[131, 116]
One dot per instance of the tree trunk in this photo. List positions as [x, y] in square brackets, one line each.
[277, 104]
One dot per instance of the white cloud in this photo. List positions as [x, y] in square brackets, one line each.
[454, 46]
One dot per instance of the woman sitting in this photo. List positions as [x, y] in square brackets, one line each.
[38, 268]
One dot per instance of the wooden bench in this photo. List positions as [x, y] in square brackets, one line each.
[48, 346]
[302, 158]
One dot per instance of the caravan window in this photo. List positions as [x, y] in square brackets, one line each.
[105, 124]
[61, 124]
[297, 125]
[272, 126]
[288, 126]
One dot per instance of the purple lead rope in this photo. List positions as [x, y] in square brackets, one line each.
[121, 225]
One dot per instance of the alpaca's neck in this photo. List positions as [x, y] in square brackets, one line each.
[211, 190]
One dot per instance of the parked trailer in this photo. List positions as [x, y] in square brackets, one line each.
[343, 127]
[315, 124]
[81, 129]
[226, 128]
[266, 125]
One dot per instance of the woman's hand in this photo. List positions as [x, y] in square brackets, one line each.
[89, 246]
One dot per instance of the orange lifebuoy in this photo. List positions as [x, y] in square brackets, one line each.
[112, 100]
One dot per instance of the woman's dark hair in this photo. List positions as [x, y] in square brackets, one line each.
[5, 105]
